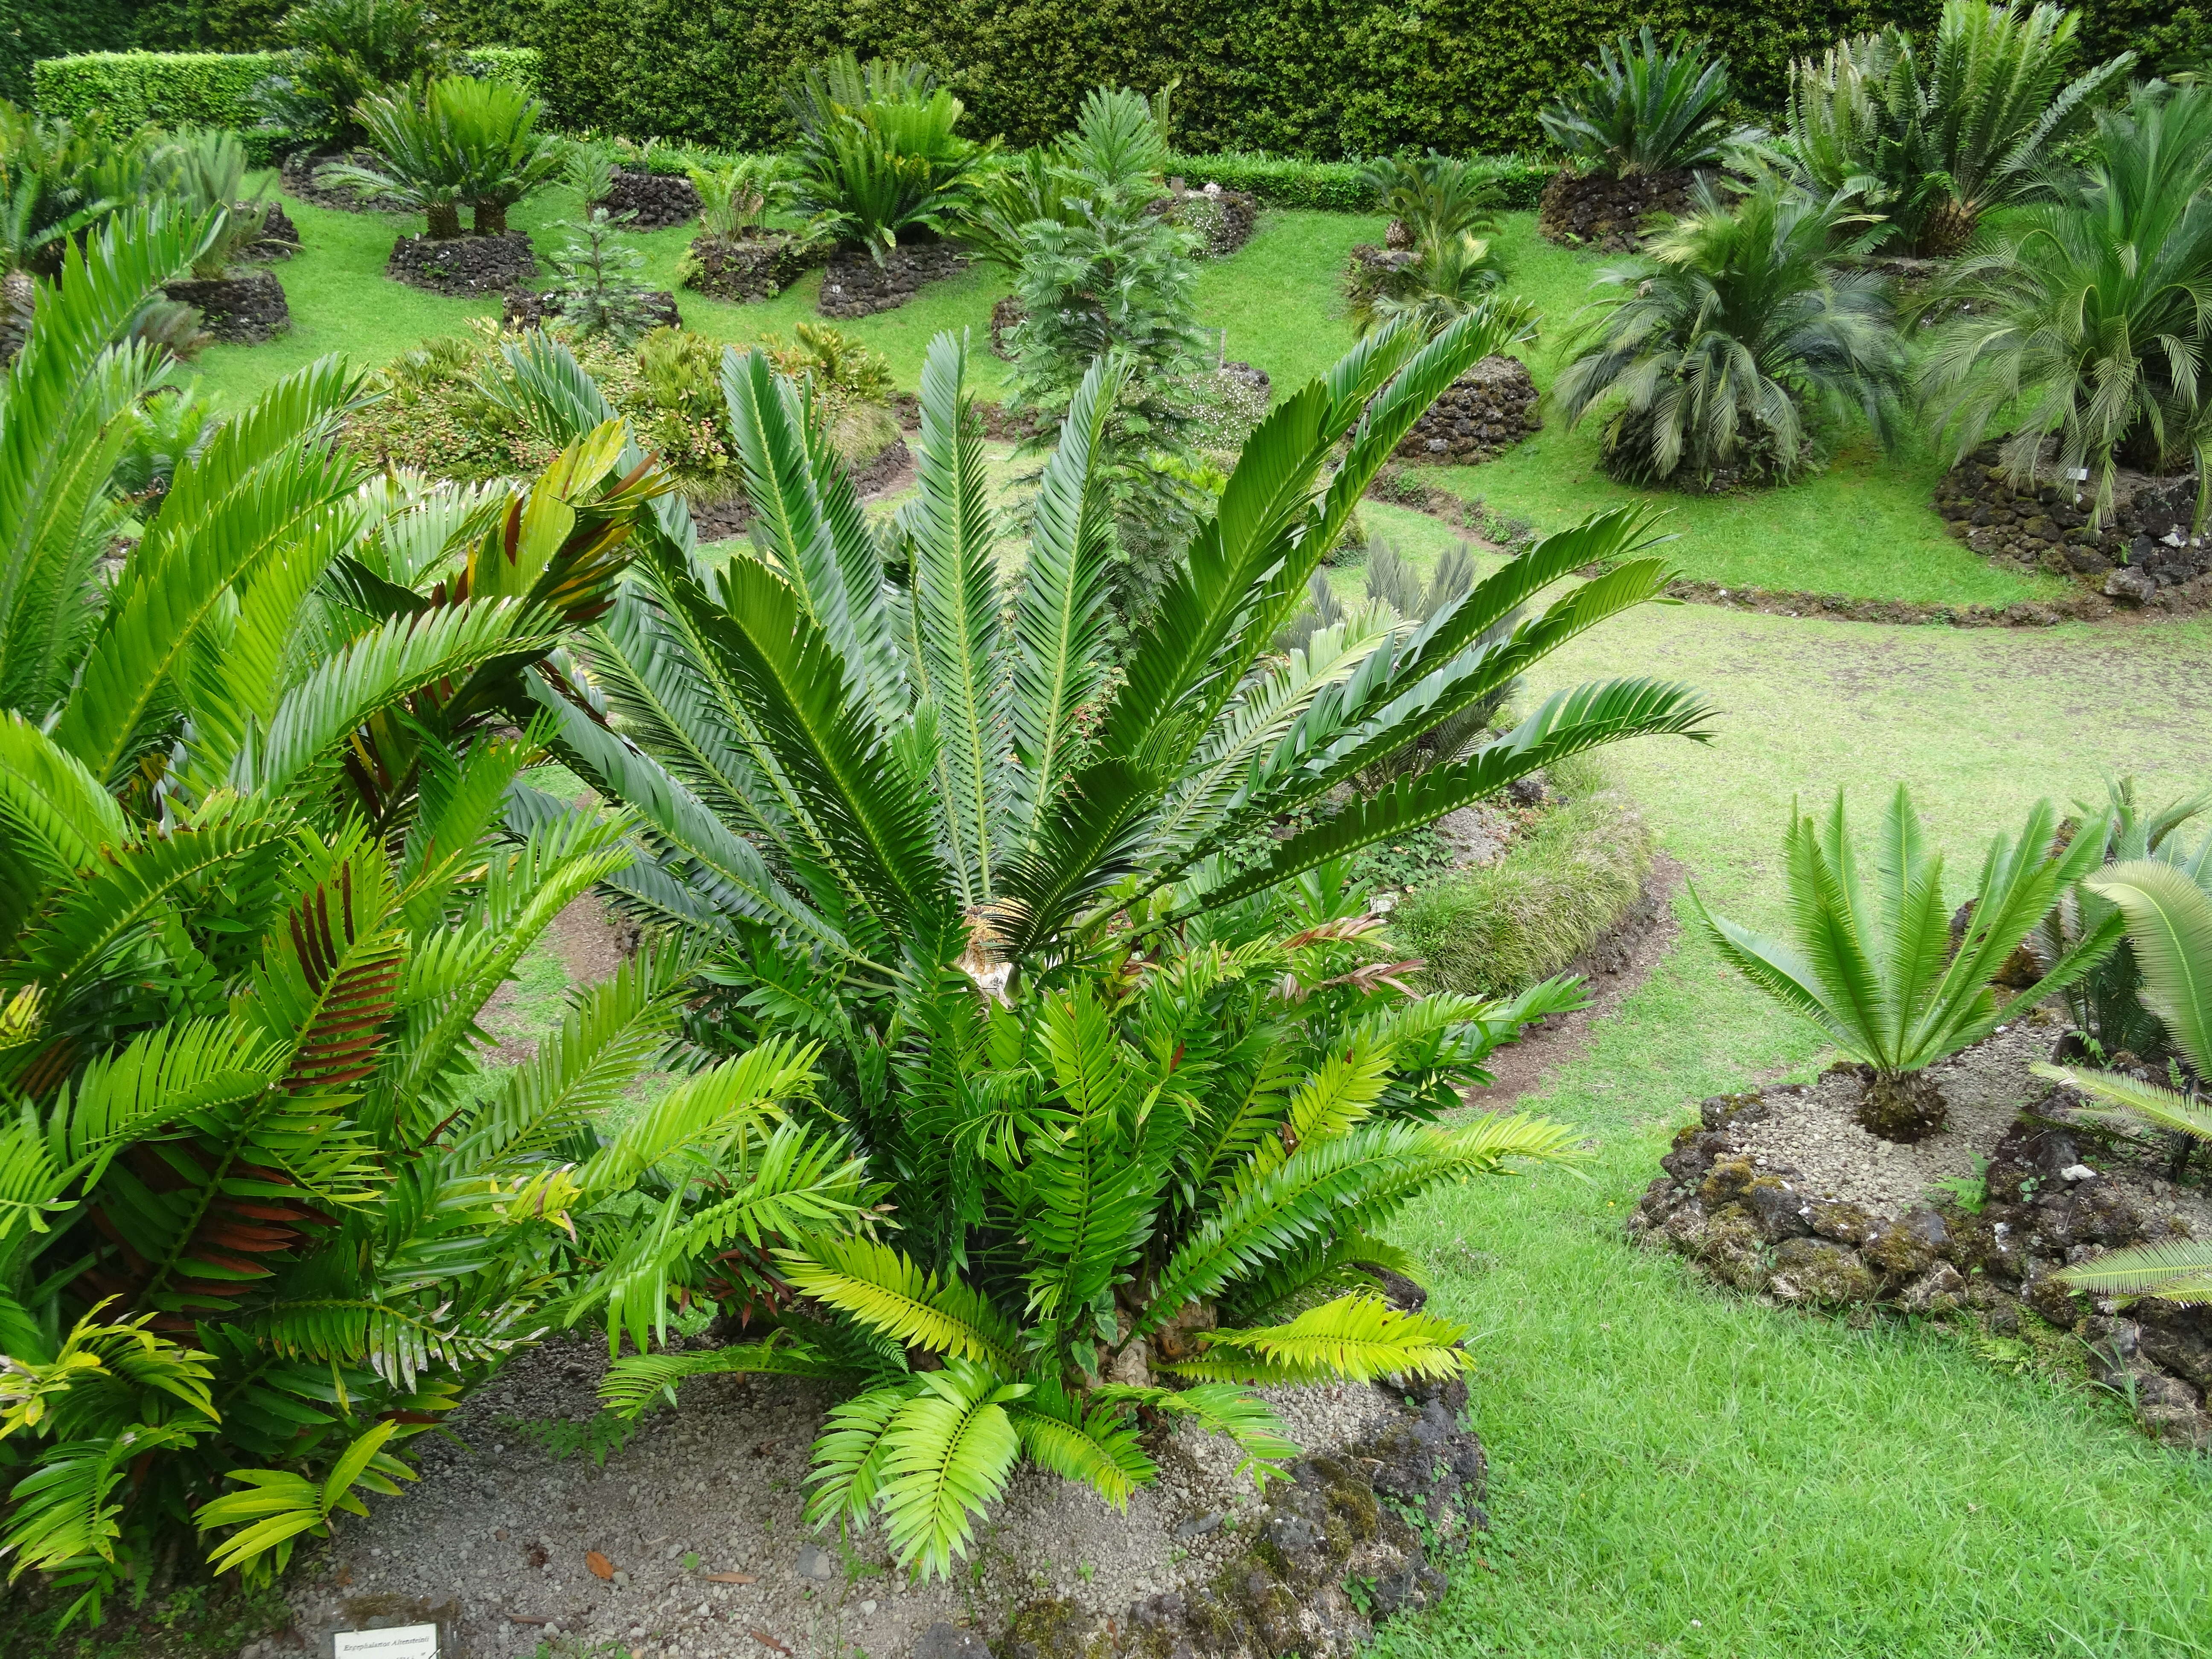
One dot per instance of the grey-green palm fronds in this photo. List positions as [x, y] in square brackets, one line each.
[1935, 136]
[2087, 322]
[1716, 341]
[863, 743]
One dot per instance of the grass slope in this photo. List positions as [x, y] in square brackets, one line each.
[1683, 1473]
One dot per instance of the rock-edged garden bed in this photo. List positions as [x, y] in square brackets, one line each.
[750, 267]
[280, 237]
[2142, 555]
[247, 308]
[1599, 210]
[1781, 1194]
[853, 285]
[463, 266]
[298, 172]
[1481, 415]
[652, 201]
[689, 1541]
[1220, 221]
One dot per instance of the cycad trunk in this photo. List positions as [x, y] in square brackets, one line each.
[491, 218]
[18, 294]
[1902, 1107]
[1947, 228]
[445, 219]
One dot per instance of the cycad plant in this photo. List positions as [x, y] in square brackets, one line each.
[266, 1214]
[1433, 196]
[1438, 279]
[2169, 925]
[2086, 322]
[344, 52]
[2106, 1003]
[1641, 110]
[1170, 1173]
[850, 747]
[1870, 960]
[418, 166]
[1935, 138]
[1716, 339]
[494, 127]
[878, 155]
[204, 169]
[735, 196]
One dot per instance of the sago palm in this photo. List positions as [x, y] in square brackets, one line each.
[1641, 110]
[2087, 322]
[2169, 924]
[856, 743]
[1937, 137]
[1714, 341]
[1173, 1173]
[1870, 960]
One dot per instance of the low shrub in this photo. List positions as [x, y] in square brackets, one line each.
[1497, 927]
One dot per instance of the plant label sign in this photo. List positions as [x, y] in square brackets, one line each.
[403, 1642]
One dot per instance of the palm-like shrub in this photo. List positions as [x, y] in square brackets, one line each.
[493, 126]
[1935, 137]
[866, 747]
[347, 50]
[2088, 321]
[737, 196]
[418, 166]
[2169, 924]
[1640, 110]
[204, 170]
[1441, 278]
[1870, 960]
[1101, 1189]
[264, 1220]
[878, 155]
[1432, 196]
[1715, 340]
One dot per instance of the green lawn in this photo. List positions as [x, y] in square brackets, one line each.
[1680, 1472]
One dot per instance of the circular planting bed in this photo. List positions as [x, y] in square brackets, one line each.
[524, 309]
[689, 1538]
[1595, 209]
[744, 269]
[464, 266]
[854, 285]
[1482, 415]
[246, 308]
[280, 237]
[298, 174]
[2142, 555]
[1222, 221]
[655, 200]
[1783, 1194]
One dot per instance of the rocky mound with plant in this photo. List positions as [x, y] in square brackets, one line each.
[1634, 128]
[1219, 221]
[1478, 417]
[2142, 553]
[1938, 1168]
[650, 200]
[1608, 213]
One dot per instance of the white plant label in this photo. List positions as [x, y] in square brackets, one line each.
[404, 1642]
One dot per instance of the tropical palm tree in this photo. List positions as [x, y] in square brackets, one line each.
[1936, 138]
[852, 746]
[2088, 322]
[1640, 110]
[1736, 318]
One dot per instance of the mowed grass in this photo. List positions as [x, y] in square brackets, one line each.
[1679, 1471]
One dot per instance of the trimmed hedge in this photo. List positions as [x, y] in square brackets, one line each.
[1334, 186]
[205, 88]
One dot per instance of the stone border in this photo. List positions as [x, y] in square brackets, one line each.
[1597, 211]
[1478, 417]
[1751, 1228]
[247, 308]
[854, 285]
[745, 270]
[1351, 1540]
[655, 201]
[465, 267]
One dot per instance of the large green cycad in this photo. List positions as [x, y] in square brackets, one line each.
[861, 741]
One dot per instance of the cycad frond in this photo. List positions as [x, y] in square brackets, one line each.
[1359, 1337]
[1097, 1448]
[635, 1381]
[1223, 1408]
[947, 1452]
[884, 1290]
[2178, 1270]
